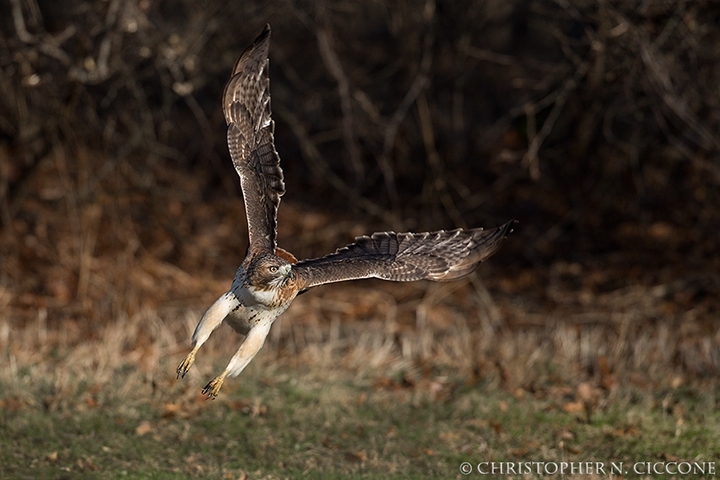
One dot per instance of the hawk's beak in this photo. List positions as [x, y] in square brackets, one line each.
[282, 276]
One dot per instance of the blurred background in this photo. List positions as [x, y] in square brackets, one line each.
[592, 123]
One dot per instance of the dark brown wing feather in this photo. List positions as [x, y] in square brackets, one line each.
[405, 257]
[246, 104]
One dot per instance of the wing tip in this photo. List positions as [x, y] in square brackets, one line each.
[261, 41]
[490, 241]
[507, 228]
[264, 34]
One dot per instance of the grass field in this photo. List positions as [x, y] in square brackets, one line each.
[292, 422]
[600, 361]
[345, 399]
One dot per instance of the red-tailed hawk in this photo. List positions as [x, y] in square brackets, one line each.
[270, 278]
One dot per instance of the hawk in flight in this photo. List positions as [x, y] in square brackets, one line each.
[270, 278]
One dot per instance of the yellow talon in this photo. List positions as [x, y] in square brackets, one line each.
[185, 365]
[213, 387]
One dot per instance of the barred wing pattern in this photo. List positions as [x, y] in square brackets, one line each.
[269, 278]
[405, 257]
[246, 104]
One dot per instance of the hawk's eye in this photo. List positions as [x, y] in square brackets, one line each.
[273, 269]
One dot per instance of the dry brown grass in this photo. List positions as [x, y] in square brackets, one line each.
[94, 290]
[99, 294]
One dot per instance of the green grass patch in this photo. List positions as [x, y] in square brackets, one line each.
[304, 426]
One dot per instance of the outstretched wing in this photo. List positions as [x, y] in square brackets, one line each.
[246, 103]
[405, 257]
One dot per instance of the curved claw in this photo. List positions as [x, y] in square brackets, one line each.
[185, 365]
[213, 387]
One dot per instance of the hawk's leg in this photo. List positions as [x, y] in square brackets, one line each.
[208, 323]
[248, 349]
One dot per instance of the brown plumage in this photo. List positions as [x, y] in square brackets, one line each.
[270, 278]
[405, 257]
[246, 103]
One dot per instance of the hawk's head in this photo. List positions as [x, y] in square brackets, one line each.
[268, 271]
